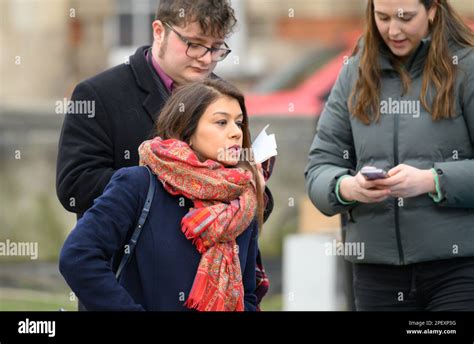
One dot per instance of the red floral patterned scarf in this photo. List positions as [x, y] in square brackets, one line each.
[224, 206]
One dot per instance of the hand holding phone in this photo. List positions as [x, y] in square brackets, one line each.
[373, 173]
[361, 187]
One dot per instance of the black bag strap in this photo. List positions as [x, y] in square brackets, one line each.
[138, 228]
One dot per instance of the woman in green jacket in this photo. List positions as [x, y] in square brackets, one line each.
[403, 103]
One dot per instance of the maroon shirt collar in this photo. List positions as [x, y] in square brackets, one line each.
[167, 81]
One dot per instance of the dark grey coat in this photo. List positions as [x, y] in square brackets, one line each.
[418, 229]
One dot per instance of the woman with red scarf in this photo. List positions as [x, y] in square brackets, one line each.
[198, 247]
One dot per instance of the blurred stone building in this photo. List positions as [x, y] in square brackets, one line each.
[47, 46]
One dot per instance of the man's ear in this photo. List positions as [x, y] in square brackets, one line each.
[158, 30]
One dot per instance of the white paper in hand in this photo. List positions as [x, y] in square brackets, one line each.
[264, 146]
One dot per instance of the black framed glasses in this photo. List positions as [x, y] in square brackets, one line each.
[196, 50]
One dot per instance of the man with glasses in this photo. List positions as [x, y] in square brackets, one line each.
[186, 57]
[188, 41]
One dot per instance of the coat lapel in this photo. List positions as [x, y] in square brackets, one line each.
[145, 79]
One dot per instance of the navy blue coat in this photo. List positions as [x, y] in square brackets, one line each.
[161, 272]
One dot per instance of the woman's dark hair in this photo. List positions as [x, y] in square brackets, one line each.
[216, 17]
[180, 116]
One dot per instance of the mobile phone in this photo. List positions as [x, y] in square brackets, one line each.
[372, 173]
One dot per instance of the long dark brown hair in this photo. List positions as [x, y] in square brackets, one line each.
[180, 116]
[439, 71]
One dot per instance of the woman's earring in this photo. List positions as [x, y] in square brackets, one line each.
[431, 21]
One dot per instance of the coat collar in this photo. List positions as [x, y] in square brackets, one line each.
[149, 82]
[146, 81]
[415, 62]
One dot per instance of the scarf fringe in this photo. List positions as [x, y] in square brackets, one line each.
[203, 294]
[188, 233]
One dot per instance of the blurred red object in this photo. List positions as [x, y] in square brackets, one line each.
[301, 89]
